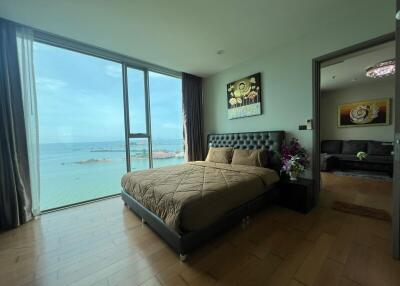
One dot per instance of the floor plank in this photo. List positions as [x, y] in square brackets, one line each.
[313, 263]
[330, 274]
[368, 266]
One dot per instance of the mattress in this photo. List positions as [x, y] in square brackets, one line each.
[191, 196]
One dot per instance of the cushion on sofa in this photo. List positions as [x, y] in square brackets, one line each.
[381, 159]
[379, 148]
[354, 146]
[331, 146]
[347, 157]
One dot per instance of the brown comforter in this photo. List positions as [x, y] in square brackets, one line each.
[191, 196]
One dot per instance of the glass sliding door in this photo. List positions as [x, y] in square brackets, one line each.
[81, 126]
[166, 119]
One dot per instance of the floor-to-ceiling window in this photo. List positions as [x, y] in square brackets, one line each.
[155, 119]
[83, 116]
[81, 126]
[166, 119]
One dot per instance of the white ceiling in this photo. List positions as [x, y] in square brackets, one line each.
[184, 35]
[350, 70]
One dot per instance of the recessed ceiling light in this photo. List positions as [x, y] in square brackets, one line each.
[220, 52]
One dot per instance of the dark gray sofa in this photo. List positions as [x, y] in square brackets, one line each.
[341, 155]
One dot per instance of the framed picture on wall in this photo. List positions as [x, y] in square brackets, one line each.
[244, 97]
[364, 113]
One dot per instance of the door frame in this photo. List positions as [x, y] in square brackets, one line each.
[316, 82]
[396, 175]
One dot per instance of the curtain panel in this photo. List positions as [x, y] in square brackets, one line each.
[192, 95]
[15, 188]
[25, 41]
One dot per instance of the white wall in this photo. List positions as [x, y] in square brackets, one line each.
[379, 88]
[287, 73]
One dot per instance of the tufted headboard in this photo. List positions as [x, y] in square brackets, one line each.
[270, 140]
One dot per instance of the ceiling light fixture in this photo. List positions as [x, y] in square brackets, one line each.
[382, 69]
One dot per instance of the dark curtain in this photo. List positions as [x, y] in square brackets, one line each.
[192, 93]
[15, 193]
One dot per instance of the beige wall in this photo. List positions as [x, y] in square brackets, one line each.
[329, 103]
[286, 73]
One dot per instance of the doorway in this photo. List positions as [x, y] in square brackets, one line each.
[342, 92]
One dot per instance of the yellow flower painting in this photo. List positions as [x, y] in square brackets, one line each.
[364, 113]
[244, 97]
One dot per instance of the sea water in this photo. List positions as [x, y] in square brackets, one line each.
[76, 172]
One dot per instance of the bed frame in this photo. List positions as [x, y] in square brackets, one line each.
[184, 243]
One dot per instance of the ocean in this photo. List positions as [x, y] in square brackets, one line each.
[76, 172]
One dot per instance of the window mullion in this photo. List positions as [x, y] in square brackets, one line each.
[148, 115]
[126, 116]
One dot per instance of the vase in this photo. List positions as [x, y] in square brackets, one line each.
[293, 176]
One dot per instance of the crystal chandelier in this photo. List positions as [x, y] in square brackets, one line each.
[382, 69]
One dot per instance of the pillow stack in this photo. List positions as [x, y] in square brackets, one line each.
[228, 155]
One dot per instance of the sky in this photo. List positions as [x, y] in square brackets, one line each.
[80, 99]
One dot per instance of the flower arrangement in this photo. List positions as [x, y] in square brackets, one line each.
[361, 155]
[294, 159]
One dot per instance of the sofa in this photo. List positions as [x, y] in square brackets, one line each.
[341, 155]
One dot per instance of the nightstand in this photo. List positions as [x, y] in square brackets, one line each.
[298, 195]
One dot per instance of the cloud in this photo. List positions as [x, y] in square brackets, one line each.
[50, 84]
[114, 71]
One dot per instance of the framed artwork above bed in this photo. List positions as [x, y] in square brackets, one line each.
[244, 97]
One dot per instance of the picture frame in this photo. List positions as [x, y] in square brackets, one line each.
[374, 112]
[244, 97]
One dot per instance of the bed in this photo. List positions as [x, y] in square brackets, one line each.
[172, 200]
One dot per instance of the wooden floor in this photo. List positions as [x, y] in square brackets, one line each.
[105, 244]
[357, 190]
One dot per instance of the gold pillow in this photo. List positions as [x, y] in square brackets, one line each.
[220, 155]
[256, 158]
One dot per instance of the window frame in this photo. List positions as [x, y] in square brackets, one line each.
[129, 135]
[126, 62]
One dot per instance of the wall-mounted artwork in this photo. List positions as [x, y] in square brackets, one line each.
[364, 113]
[244, 97]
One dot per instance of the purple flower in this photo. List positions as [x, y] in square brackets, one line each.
[294, 157]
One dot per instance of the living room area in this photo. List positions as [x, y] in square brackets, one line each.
[356, 131]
